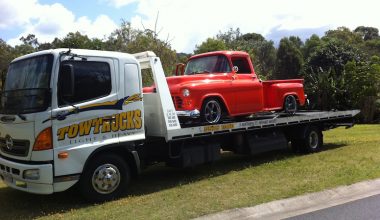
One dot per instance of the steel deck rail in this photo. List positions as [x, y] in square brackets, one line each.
[256, 123]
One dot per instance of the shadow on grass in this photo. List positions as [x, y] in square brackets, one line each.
[159, 177]
[20, 205]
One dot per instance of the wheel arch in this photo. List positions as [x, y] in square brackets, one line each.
[125, 151]
[220, 98]
[288, 94]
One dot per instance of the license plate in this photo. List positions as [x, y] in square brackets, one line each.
[8, 178]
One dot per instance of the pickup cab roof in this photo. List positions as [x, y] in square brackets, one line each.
[222, 52]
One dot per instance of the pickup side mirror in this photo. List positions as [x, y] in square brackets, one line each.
[235, 69]
[179, 69]
[66, 81]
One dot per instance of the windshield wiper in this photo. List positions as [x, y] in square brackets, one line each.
[199, 72]
[204, 71]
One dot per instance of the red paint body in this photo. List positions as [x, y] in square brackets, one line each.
[241, 92]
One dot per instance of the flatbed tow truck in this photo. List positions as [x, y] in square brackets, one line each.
[99, 140]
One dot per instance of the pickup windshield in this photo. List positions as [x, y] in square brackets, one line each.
[26, 88]
[209, 64]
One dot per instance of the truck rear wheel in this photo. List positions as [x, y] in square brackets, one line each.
[290, 104]
[105, 178]
[312, 141]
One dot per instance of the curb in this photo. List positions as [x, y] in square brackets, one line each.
[298, 205]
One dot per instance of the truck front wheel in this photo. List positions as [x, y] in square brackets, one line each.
[105, 178]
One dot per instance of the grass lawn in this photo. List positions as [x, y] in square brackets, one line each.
[349, 156]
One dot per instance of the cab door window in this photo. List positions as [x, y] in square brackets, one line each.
[92, 80]
[242, 65]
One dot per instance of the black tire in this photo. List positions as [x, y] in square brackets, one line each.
[212, 111]
[290, 104]
[105, 178]
[312, 141]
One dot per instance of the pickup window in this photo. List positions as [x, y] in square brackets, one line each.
[92, 80]
[242, 64]
[209, 64]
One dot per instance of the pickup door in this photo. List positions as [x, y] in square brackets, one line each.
[248, 88]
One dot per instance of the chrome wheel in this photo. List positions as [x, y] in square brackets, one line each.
[106, 179]
[212, 111]
[290, 104]
[313, 140]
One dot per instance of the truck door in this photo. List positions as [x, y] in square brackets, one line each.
[83, 120]
[132, 115]
[248, 88]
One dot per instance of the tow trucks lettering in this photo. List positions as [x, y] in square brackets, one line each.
[120, 122]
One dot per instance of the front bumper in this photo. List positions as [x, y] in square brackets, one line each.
[12, 175]
[189, 113]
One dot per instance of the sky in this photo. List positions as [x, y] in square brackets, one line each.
[185, 23]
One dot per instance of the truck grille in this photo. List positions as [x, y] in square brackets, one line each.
[177, 101]
[20, 147]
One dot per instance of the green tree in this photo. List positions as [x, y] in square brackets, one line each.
[311, 45]
[363, 86]
[367, 33]
[210, 44]
[333, 55]
[289, 61]
[230, 38]
[78, 41]
[262, 53]
[6, 56]
[343, 34]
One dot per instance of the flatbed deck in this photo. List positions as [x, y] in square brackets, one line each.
[264, 121]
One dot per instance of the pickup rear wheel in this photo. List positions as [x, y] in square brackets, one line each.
[105, 178]
[290, 104]
[211, 111]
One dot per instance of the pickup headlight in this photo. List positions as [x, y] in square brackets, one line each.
[186, 93]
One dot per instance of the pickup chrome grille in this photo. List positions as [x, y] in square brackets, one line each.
[177, 101]
[18, 148]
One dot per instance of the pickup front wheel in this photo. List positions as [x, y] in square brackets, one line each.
[211, 111]
[105, 178]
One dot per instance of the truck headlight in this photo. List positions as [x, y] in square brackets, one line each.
[33, 174]
[186, 93]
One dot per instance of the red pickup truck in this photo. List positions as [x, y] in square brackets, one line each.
[223, 83]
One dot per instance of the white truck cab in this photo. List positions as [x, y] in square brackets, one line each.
[60, 106]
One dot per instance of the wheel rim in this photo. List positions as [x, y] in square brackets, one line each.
[106, 179]
[313, 140]
[290, 104]
[213, 111]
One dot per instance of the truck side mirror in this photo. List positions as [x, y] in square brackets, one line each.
[179, 69]
[66, 81]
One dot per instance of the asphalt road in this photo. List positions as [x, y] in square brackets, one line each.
[367, 208]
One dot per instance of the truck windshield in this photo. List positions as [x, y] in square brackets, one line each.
[26, 87]
[209, 64]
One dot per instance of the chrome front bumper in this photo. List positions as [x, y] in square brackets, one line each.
[189, 113]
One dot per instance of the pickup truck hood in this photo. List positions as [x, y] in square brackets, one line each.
[175, 83]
